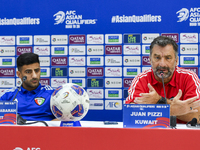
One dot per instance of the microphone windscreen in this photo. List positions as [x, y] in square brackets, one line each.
[24, 78]
[194, 122]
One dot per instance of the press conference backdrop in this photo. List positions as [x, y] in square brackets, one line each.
[100, 45]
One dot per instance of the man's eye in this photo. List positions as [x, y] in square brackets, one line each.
[28, 71]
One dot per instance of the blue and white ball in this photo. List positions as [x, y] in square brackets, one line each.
[69, 102]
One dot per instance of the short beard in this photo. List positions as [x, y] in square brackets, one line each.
[165, 75]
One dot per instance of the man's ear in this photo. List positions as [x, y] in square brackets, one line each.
[19, 74]
[177, 61]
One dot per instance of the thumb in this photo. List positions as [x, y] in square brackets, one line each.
[151, 89]
[178, 96]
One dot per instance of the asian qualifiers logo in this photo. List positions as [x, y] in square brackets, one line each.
[193, 14]
[72, 20]
[183, 14]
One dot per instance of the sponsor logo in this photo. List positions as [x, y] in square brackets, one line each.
[95, 72]
[113, 38]
[7, 51]
[174, 36]
[76, 39]
[145, 49]
[95, 50]
[76, 50]
[113, 49]
[95, 39]
[189, 37]
[189, 60]
[145, 60]
[78, 81]
[24, 40]
[22, 50]
[59, 39]
[76, 61]
[145, 68]
[113, 104]
[131, 71]
[113, 71]
[132, 49]
[94, 83]
[59, 50]
[77, 71]
[96, 104]
[59, 72]
[7, 72]
[45, 81]
[41, 39]
[44, 72]
[44, 61]
[113, 61]
[95, 61]
[189, 49]
[136, 19]
[71, 19]
[7, 82]
[113, 82]
[148, 38]
[193, 14]
[19, 21]
[56, 82]
[6, 61]
[132, 38]
[42, 50]
[127, 82]
[7, 40]
[132, 61]
[59, 61]
[194, 69]
[95, 93]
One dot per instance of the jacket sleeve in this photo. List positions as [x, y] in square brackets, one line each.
[138, 85]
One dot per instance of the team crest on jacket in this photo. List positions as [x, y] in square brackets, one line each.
[39, 100]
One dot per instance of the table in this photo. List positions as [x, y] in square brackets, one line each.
[95, 136]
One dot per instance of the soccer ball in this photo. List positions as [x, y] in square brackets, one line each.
[69, 102]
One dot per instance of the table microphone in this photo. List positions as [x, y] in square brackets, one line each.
[172, 118]
[193, 123]
[20, 120]
[23, 79]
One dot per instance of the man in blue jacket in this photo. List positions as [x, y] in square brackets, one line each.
[33, 99]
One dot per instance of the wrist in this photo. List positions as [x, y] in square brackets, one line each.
[162, 100]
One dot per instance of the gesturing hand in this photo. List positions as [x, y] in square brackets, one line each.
[179, 107]
[148, 98]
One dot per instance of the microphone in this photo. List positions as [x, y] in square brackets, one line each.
[162, 73]
[172, 118]
[193, 123]
[23, 79]
[20, 120]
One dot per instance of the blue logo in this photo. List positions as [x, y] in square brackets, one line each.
[132, 39]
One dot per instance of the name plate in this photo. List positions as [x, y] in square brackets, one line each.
[146, 116]
[8, 112]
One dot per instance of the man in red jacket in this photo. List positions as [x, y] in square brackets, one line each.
[181, 85]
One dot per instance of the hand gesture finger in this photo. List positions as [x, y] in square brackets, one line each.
[178, 96]
[151, 89]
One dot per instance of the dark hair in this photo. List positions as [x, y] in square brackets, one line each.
[164, 41]
[27, 59]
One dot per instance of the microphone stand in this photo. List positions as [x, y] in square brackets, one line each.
[172, 118]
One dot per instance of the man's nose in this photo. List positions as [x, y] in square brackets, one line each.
[162, 62]
[34, 75]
